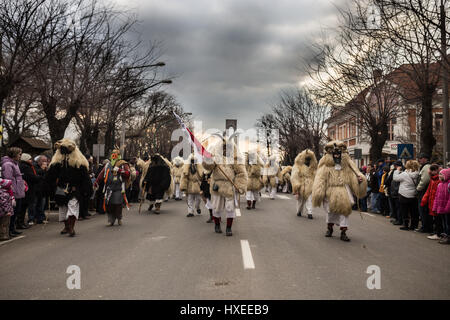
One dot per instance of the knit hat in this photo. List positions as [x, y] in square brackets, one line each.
[445, 173]
[25, 157]
[398, 163]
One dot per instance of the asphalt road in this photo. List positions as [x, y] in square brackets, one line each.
[170, 256]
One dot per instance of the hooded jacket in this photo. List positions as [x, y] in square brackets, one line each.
[430, 194]
[442, 200]
[11, 171]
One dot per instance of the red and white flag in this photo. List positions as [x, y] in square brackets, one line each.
[192, 139]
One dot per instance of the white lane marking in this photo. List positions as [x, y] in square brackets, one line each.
[265, 196]
[11, 240]
[247, 255]
[283, 197]
[238, 212]
[368, 214]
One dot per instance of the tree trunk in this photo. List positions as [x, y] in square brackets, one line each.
[427, 140]
[378, 138]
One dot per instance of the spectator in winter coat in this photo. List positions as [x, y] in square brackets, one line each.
[40, 166]
[442, 204]
[11, 171]
[428, 201]
[407, 191]
[424, 180]
[393, 195]
[7, 204]
[32, 179]
[374, 187]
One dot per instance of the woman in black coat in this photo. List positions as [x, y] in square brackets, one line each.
[157, 181]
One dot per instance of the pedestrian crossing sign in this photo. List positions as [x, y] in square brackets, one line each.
[405, 151]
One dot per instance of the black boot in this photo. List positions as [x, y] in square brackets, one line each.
[199, 211]
[344, 236]
[150, 207]
[66, 227]
[299, 214]
[253, 204]
[310, 216]
[228, 232]
[405, 225]
[210, 216]
[249, 204]
[217, 228]
[329, 231]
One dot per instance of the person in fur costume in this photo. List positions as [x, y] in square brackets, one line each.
[177, 169]
[117, 177]
[191, 180]
[68, 179]
[205, 192]
[337, 179]
[302, 179]
[286, 179]
[254, 166]
[224, 196]
[171, 188]
[270, 177]
[157, 181]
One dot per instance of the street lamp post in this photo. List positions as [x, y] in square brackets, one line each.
[165, 81]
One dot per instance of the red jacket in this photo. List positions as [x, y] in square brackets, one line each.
[430, 195]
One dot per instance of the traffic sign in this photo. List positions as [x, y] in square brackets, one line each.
[405, 151]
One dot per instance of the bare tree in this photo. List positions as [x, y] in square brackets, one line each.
[300, 122]
[410, 30]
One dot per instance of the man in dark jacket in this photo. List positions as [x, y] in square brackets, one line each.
[393, 186]
[38, 205]
[157, 182]
[375, 187]
[32, 179]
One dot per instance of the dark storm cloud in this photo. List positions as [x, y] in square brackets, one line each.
[232, 58]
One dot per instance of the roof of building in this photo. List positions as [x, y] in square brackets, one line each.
[35, 143]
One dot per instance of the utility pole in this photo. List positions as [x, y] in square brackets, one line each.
[445, 67]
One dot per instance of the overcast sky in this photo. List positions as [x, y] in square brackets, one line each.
[232, 57]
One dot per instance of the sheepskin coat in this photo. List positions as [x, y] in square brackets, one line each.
[235, 170]
[177, 169]
[147, 164]
[271, 171]
[302, 176]
[330, 184]
[254, 172]
[286, 174]
[69, 172]
[190, 182]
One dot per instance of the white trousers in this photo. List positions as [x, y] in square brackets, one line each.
[273, 192]
[285, 188]
[177, 191]
[252, 195]
[72, 209]
[193, 202]
[304, 205]
[223, 205]
[208, 204]
[337, 219]
[156, 201]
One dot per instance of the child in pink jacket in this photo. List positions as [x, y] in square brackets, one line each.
[442, 203]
